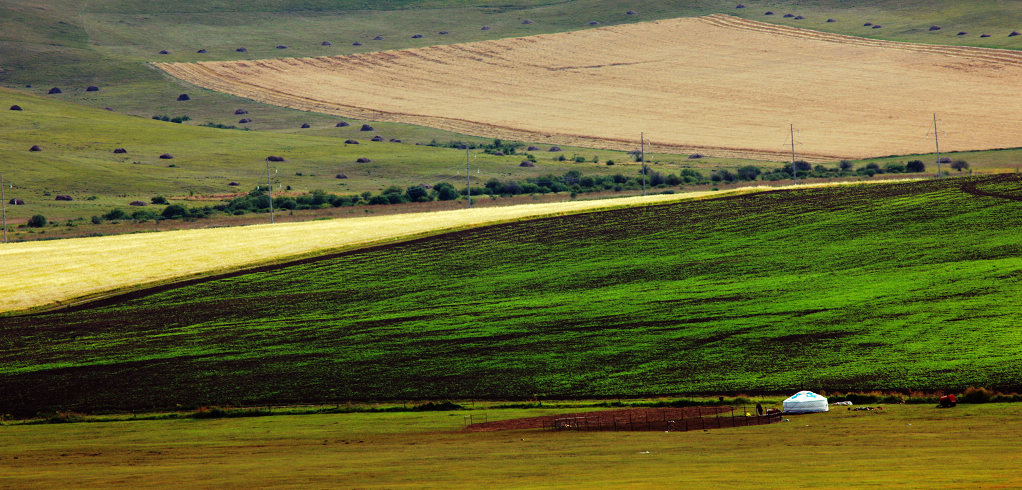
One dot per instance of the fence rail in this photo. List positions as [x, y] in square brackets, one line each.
[671, 420]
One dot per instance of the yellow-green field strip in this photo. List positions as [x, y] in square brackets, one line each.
[47, 274]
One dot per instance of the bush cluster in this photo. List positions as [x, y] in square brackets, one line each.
[175, 119]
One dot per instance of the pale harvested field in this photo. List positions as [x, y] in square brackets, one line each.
[718, 84]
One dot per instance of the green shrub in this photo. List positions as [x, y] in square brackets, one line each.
[158, 200]
[37, 221]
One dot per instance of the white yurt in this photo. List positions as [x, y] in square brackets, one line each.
[805, 402]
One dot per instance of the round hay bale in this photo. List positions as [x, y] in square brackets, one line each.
[244, 120]
[340, 176]
[867, 24]
[108, 109]
[363, 160]
[984, 35]
[497, 153]
[366, 127]
[63, 197]
[395, 140]
[356, 43]
[326, 43]
[416, 36]
[306, 126]
[532, 148]
[377, 138]
[92, 88]
[281, 46]
[962, 33]
[201, 51]
[16, 107]
[555, 148]
[16, 202]
[342, 124]
[136, 203]
[1013, 34]
[945, 160]
[526, 163]
[526, 22]
[788, 16]
[54, 90]
[351, 142]
[799, 17]
[631, 12]
[768, 12]
[274, 158]
[233, 184]
[166, 156]
[444, 33]
[120, 150]
[241, 50]
[594, 23]
[164, 51]
[35, 148]
[934, 28]
[183, 97]
[877, 26]
[831, 20]
[739, 6]
[484, 28]
[239, 112]
[695, 156]
[378, 38]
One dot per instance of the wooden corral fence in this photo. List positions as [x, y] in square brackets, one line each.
[670, 420]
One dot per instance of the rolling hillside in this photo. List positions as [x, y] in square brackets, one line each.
[898, 286]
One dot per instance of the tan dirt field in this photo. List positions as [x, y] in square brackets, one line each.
[718, 85]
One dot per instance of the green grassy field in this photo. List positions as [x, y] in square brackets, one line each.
[898, 286]
[906, 445]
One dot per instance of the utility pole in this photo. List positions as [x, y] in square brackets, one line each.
[3, 203]
[936, 143]
[269, 189]
[794, 169]
[468, 178]
[642, 158]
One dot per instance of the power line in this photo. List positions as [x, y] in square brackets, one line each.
[936, 142]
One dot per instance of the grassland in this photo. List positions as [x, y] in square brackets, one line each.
[572, 88]
[906, 445]
[899, 286]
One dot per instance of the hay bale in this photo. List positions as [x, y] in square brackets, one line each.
[241, 50]
[274, 158]
[239, 112]
[962, 33]
[444, 33]
[342, 124]
[532, 148]
[164, 51]
[831, 20]
[395, 140]
[768, 12]
[92, 88]
[120, 150]
[35, 148]
[739, 6]
[377, 138]
[526, 22]
[16, 107]
[306, 126]
[136, 203]
[984, 35]
[340, 176]
[867, 24]
[326, 43]
[16, 202]
[363, 160]
[497, 153]
[108, 109]
[378, 38]
[201, 51]
[281, 46]
[555, 148]
[695, 156]
[799, 17]
[356, 43]
[54, 90]
[350, 142]
[788, 16]
[183, 97]
[1013, 34]
[631, 12]
[244, 120]
[63, 197]
[934, 28]
[484, 28]
[594, 23]
[877, 26]
[526, 163]
[945, 160]
[366, 127]
[416, 36]
[233, 184]
[166, 156]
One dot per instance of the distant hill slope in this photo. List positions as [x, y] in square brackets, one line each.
[899, 286]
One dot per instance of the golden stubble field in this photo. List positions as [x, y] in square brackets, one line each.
[717, 84]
